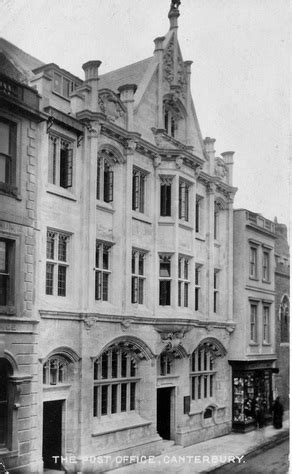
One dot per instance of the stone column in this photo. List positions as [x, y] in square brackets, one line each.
[228, 160]
[91, 78]
[188, 65]
[127, 97]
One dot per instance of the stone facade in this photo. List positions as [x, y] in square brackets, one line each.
[282, 313]
[127, 265]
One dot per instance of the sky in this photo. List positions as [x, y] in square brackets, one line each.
[240, 72]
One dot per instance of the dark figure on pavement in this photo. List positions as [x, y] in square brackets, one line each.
[278, 414]
[259, 412]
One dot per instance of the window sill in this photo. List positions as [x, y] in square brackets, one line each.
[118, 422]
[165, 221]
[141, 217]
[266, 344]
[267, 281]
[253, 344]
[104, 206]
[9, 190]
[62, 192]
[6, 453]
[61, 96]
[59, 386]
[7, 310]
[253, 278]
[200, 236]
[185, 225]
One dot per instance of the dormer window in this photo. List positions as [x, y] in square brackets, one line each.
[173, 114]
[62, 85]
[170, 124]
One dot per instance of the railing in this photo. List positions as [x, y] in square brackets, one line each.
[20, 92]
[260, 221]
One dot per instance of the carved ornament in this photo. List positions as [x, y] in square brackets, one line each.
[110, 105]
[220, 168]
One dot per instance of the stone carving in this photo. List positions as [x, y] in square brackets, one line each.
[110, 105]
[198, 171]
[220, 168]
[131, 146]
[181, 77]
[89, 322]
[174, 5]
[126, 324]
[172, 340]
[157, 160]
[168, 62]
[178, 162]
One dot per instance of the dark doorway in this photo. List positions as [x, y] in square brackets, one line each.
[164, 412]
[52, 434]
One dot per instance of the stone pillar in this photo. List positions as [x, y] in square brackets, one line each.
[228, 160]
[188, 65]
[127, 97]
[158, 52]
[209, 147]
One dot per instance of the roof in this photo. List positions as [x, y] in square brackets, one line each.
[23, 62]
[131, 74]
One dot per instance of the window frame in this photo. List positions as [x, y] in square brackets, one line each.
[9, 272]
[103, 383]
[266, 260]
[253, 262]
[138, 279]
[10, 158]
[253, 322]
[202, 374]
[166, 196]
[216, 291]
[103, 251]
[139, 180]
[60, 92]
[59, 280]
[198, 285]
[165, 282]
[184, 200]
[56, 370]
[183, 281]
[266, 324]
[105, 176]
[284, 319]
[61, 166]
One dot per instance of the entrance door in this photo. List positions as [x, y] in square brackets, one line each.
[52, 434]
[164, 412]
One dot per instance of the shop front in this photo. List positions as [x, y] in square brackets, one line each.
[252, 394]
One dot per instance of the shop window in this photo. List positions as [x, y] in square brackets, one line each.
[102, 270]
[165, 196]
[165, 280]
[202, 374]
[198, 277]
[115, 383]
[7, 154]
[57, 264]
[266, 324]
[7, 272]
[55, 370]
[183, 200]
[254, 323]
[284, 319]
[60, 162]
[138, 190]
[253, 266]
[183, 281]
[105, 177]
[138, 276]
[266, 266]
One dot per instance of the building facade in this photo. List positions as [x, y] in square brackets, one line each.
[253, 347]
[19, 119]
[282, 313]
[133, 283]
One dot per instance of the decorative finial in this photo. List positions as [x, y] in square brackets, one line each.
[173, 13]
[174, 5]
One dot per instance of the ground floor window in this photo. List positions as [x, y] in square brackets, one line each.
[115, 382]
[202, 374]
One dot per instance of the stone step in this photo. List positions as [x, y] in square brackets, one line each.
[169, 446]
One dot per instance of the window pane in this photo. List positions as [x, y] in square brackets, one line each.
[98, 285]
[50, 245]
[104, 366]
[62, 247]
[49, 278]
[4, 138]
[95, 398]
[3, 256]
[123, 397]
[132, 395]
[124, 365]
[133, 263]
[61, 280]
[105, 259]
[4, 169]
[164, 292]
[141, 264]
[57, 83]
[114, 398]
[141, 284]
[164, 269]
[114, 364]
[66, 87]
[98, 176]
[105, 279]
[104, 401]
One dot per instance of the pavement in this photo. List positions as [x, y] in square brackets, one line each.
[209, 455]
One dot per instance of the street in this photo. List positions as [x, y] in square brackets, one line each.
[270, 461]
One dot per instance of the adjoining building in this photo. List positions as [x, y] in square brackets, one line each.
[252, 352]
[282, 313]
[133, 268]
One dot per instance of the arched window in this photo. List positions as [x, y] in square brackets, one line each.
[105, 176]
[5, 409]
[284, 319]
[202, 373]
[55, 370]
[115, 382]
[172, 114]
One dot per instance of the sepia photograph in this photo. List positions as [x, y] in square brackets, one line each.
[144, 236]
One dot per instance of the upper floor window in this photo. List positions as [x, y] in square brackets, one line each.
[102, 270]
[202, 374]
[266, 265]
[173, 114]
[138, 276]
[266, 324]
[55, 370]
[138, 190]
[115, 383]
[57, 262]
[7, 272]
[284, 319]
[253, 322]
[183, 199]
[253, 265]
[165, 196]
[216, 223]
[105, 177]
[216, 292]
[7, 152]
[165, 280]
[198, 275]
[183, 281]
[199, 214]
[170, 122]
[62, 85]
[60, 162]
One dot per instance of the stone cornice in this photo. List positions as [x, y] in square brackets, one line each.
[261, 230]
